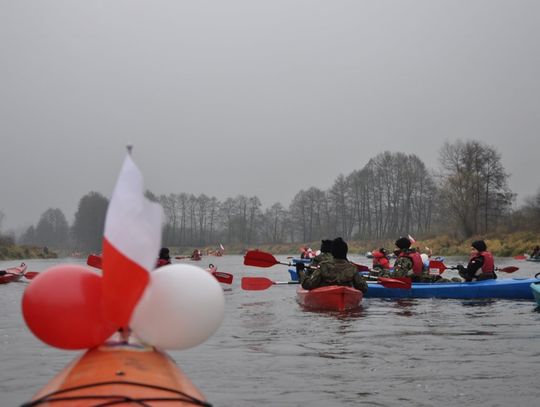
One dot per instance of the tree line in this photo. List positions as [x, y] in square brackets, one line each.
[393, 194]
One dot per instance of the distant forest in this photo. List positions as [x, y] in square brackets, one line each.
[394, 194]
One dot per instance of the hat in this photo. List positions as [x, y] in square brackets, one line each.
[339, 248]
[479, 245]
[164, 253]
[403, 243]
[383, 250]
[326, 246]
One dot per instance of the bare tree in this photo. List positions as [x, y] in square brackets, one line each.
[473, 186]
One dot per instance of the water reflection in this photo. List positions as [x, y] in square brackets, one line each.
[479, 302]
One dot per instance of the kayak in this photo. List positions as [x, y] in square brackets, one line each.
[535, 287]
[535, 259]
[511, 288]
[332, 298]
[120, 374]
[13, 274]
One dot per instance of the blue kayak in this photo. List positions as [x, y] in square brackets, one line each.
[292, 271]
[511, 288]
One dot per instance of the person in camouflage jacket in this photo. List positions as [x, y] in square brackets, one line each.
[404, 264]
[325, 255]
[338, 271]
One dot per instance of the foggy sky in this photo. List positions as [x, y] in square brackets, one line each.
[255, 97]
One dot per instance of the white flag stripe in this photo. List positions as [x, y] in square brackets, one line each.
[133, 223]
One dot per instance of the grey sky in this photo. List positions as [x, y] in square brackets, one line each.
[255, 97]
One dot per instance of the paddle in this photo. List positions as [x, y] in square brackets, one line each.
[94, 260]
[434, 264]
[262, 283]
[259, 258]
[520, 257]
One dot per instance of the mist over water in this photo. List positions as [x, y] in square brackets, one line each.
[271, 352]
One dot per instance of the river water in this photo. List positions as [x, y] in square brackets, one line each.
[271, 352]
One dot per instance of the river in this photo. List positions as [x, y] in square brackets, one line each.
[271, 352]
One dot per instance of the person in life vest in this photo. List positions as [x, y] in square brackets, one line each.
[164, 257]
[338, 271]
[196, 255]
[380, 259]
[481, 265]
[409, 263]
[324, 255]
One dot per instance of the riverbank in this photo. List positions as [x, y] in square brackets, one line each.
[507, 246]
[510, 245]
[14, 252]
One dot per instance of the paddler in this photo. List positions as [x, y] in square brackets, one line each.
[338, 271]
[196, 255]
[409, 263]
[164, 257]
[325, 254]
[481, 265]
[380, 259]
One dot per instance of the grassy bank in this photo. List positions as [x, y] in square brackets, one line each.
[506, 246]
[13, 252]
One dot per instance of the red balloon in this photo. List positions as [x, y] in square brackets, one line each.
[62, 306]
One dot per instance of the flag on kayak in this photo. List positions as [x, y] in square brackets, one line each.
[412, 239]
[131, 242]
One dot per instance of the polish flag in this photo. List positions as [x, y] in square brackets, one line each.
[412, 239]
[130, 245]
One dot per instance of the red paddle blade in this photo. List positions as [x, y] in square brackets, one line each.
[435, 264]
[256, 283]
[361, 267]
[520, 257]
[30, 274]
[259, 259]
[180, 257]
[94, 260]
[404, 283]
[225, 278]
[509, 269]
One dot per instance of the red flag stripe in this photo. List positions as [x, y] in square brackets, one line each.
[121, 275]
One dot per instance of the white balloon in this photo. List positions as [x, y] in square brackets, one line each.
[181, 307]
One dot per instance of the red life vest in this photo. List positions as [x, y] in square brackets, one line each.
[380, 259]
[418, 264]
[489, 263]
[162, 262]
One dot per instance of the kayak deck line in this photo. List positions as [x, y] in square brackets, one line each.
[120, 374]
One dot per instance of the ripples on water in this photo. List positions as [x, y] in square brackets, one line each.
[271, 352]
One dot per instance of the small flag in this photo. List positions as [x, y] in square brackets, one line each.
[411, 239]
[131, 243]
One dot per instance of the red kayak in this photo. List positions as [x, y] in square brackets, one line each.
[13, 274]
[332, 298]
